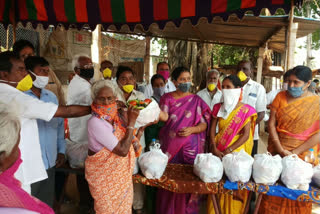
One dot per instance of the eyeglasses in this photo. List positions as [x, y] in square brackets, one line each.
[87, 66]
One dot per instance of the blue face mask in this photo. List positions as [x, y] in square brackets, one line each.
[184, 87]
[295, 91]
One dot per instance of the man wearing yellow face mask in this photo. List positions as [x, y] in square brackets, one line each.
[13, 80]
[211, 94]
[254, 94]
[125, 92]
[106, 69]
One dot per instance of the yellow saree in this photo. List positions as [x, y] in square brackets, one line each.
[230, 130]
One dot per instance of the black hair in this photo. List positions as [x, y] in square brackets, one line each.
[122, 69]
[21, 44]
[302, 72]
[106, 61]
[234, 79]
[5, 60]
[160, 63]
[316, 80]
[177, 72]
[156, 76]
[287, 74]
[32, 61]
[244, 61]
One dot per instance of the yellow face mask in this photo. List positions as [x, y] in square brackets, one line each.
[128, 88]
[107, 73]
[25, 84]
[242, 76]
[211, 86]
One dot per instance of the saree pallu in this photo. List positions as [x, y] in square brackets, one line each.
[184, 112]
[110, 181]
[296, 123]
[231, 130]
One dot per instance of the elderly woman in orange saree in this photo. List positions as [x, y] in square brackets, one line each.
[111, 156]
[294, 129]
[236, 122]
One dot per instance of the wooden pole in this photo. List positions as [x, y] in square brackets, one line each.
[96, 51]
[147, 59]
[291, 38]
[260, 64]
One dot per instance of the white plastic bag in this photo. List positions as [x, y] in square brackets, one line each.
[149, 114]
[238, 166]
[296, 173]
[316, 175]
[76, 153]
[266, 168]
[153, 163]
[208, 168]
[136, 167]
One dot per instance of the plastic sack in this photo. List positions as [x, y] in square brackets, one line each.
[208, 168]
[148, 115]
[136, 167]
[76, 153]
[153, 163]
[266, 168]
[316, 175]
[296, 173]
[238, 166]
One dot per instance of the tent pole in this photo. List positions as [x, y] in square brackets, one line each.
[96, 51]
[147, 59]
[260, 64]
[291, 38]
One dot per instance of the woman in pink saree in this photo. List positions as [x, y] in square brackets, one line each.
[182, 138]
[236, 122]
[11, 193]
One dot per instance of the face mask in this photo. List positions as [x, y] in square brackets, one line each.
[24, 85]
[128, 88]
[295, 91]
[230, 100]
[184, 87]
[107, 73]
[158, 92]
[165, 74]
[40, 81]
[242, 76]
[285, 86]
[211, 86]
[86, 73]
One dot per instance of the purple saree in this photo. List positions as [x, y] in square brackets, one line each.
[184, 112]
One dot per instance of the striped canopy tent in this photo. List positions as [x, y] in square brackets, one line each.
[129, 12]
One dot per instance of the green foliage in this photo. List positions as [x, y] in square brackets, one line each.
[231, 55]
[163, 45]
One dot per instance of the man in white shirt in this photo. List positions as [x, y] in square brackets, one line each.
[211, 94]
[254, 94]
[13, 80]
[163, 69]
[125, 92]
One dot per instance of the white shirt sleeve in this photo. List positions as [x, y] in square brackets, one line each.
[261, 104]
[33, 108]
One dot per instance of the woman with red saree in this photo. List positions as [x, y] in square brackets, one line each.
[111, 155]
[13, 199]
[236, 122]
[294, 128]
[182, 138]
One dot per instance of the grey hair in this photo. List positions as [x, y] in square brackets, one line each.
[213, 71]
[101, 84]
[75, 60]
[9, 128]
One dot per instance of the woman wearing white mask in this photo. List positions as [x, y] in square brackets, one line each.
[182, 137]
[236, 123]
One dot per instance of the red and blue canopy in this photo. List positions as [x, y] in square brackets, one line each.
[130, 12]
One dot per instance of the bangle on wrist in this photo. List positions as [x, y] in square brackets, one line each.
[130, 127]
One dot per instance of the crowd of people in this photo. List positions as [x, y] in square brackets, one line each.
[103, 140]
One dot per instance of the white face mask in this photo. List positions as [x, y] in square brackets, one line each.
[40, 81]
[230, 99]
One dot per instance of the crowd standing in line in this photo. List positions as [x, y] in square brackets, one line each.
[217, 120]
